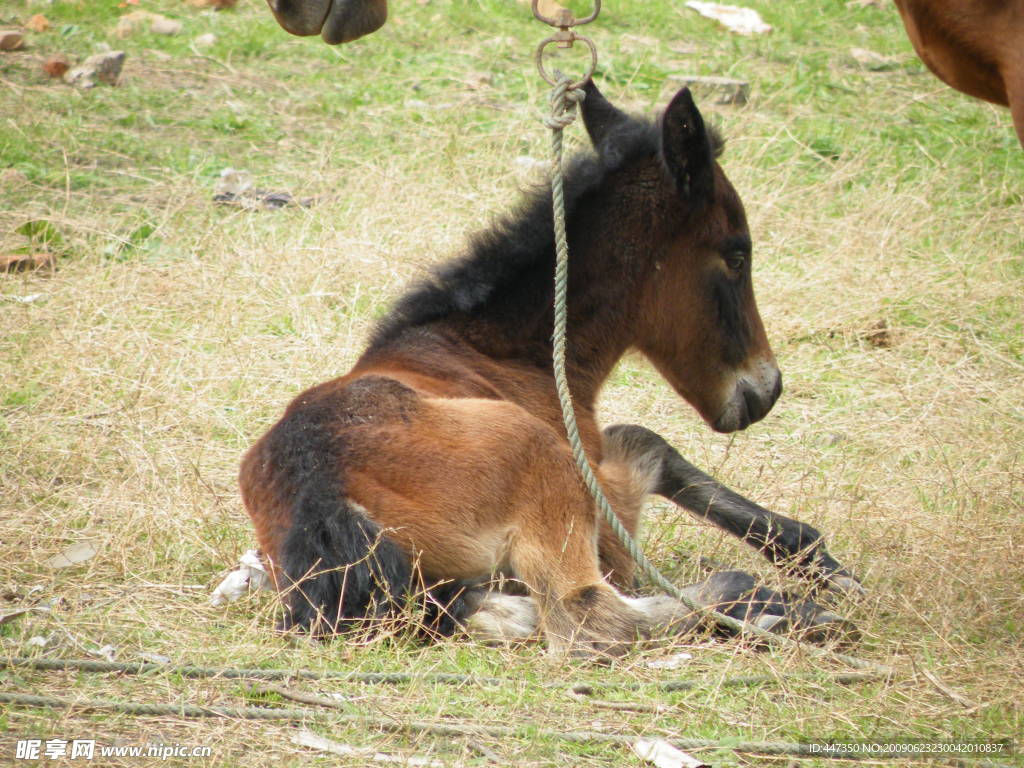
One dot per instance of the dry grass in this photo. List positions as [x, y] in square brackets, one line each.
[889, 272]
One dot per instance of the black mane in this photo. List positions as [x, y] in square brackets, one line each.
[518, 240]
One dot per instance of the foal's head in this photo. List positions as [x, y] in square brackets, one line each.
[697, 319]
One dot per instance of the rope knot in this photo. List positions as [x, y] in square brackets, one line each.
[563, 103]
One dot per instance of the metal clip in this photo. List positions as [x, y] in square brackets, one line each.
[564, 42]
[564, 38]
[565, 19]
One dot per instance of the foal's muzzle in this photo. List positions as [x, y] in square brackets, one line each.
[752, 397]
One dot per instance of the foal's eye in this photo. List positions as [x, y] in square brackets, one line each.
[736, 260]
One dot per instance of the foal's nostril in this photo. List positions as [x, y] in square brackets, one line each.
[755, 407]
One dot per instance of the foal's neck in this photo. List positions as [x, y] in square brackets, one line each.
[602, 296]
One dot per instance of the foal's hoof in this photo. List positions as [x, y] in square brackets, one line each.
[845, 585]
[780, 625]
[500, 619]
[828, 628]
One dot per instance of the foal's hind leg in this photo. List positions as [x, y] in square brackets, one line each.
[578, 610]
[787, 542]
[554, 552]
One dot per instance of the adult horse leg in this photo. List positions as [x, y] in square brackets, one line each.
[791, 544]
[1015, 97]
[340, 21]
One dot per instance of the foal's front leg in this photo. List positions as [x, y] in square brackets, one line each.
[787, 542]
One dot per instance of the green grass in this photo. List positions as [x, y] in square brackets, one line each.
[174, 331]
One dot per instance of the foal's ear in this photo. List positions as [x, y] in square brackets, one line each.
[686, 148]
[599, 116]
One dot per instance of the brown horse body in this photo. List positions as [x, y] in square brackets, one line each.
[441, 457]
[975, 46]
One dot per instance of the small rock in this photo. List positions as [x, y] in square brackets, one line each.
[165, 26]
[105, 67]
[38, 23]
[11, 40]
[27, 262]
[56, 65]
[133, 22]
[219, 5]
[205, 41]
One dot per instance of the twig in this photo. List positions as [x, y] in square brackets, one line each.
[218, 62]
[300, 696]
[628, 706]
[322, 701]
[305, 738]
[945, 690]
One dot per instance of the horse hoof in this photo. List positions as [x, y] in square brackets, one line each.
[830, 628]
[351, 19]
[845, 585]
[501, 619]
[780, 625]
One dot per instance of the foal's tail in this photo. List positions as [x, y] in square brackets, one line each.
[334, 566]
[338, 566]
[341, 570]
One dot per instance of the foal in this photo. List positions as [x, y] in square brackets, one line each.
[441, 455]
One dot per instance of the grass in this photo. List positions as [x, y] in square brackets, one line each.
[174, 331]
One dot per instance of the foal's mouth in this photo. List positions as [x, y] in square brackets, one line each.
[751, 401]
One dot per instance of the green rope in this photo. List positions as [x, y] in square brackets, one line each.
[563, 112]
[402, 678]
